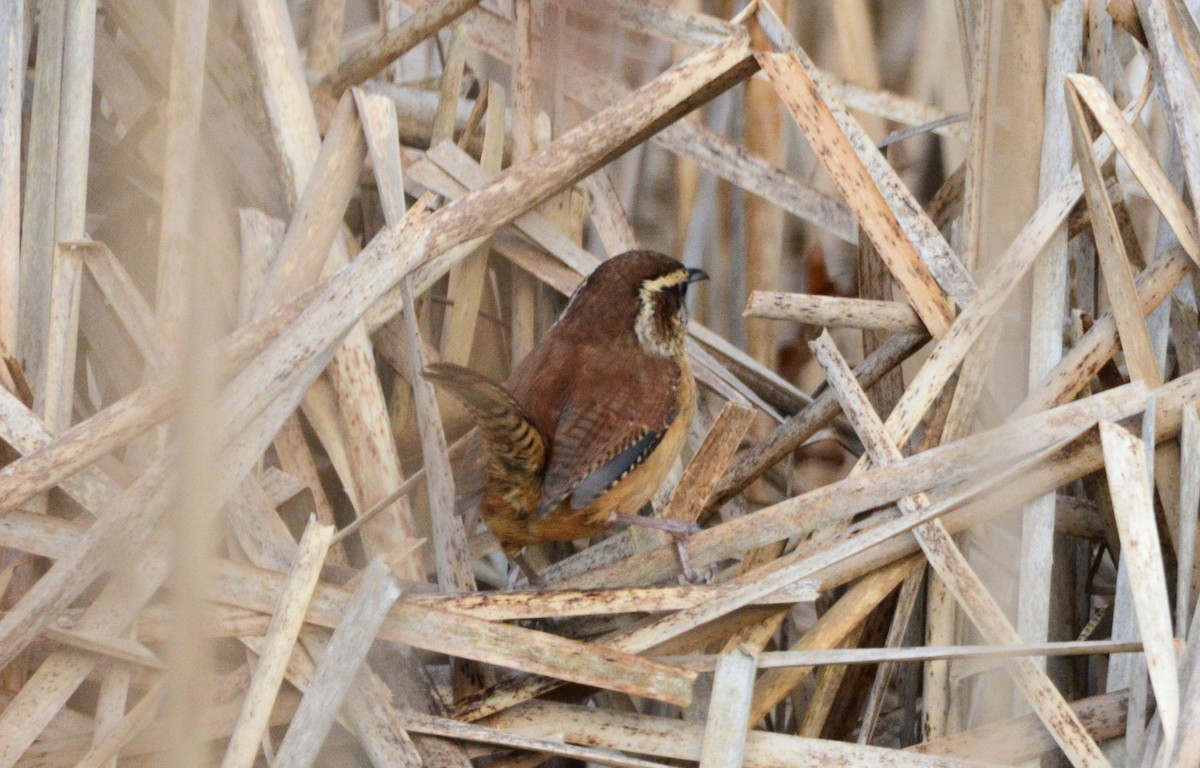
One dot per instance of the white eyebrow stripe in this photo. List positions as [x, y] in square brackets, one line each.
[665, 281]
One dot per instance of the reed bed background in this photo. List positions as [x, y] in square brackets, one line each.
[947, 460]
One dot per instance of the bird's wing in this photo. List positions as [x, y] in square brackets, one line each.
[590, 488]
[606, 429]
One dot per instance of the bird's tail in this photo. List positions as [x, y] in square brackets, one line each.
[517, 448]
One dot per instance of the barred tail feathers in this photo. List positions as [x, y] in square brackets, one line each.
[515, 444]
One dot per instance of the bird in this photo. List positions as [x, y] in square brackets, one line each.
[586, 427]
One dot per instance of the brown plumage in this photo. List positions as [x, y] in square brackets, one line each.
[584, 431]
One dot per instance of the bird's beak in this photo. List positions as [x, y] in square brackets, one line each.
[696, 275]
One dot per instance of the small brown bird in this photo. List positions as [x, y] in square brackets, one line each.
[586, 428]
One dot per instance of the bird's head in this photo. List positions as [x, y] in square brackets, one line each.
[639, 294]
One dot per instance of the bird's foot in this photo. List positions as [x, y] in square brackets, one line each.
[679, 530]
[531, 574]
[685, 564]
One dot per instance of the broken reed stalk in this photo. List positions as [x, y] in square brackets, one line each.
[729, 710]
[304, 408]
[342, 656]
[12, 53]
[277, 644]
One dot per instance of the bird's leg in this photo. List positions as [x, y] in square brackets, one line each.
[531, 574]
[679, 530]
[685, 563]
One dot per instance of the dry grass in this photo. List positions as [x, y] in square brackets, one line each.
[237, 526]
